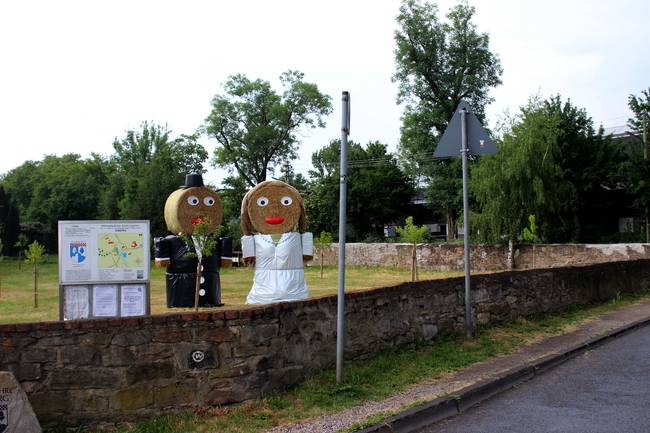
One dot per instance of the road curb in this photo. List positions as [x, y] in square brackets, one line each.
[461, 400]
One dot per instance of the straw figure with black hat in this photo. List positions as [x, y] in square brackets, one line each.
[193, 205]
[274, 209]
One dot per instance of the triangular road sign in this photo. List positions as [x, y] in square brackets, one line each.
[478, 140]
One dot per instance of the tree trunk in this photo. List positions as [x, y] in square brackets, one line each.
[321, 264]
[198, 287]
[35, 286]
[413, 264]
[451, 230]
[511, 261]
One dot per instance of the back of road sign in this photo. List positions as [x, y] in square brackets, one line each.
[478, 140]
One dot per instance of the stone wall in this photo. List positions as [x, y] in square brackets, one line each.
[118, 369]
[483, 257]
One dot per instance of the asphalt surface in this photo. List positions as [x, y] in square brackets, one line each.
[598, 372]
[606, 389]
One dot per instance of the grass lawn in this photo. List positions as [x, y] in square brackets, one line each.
[17, 287]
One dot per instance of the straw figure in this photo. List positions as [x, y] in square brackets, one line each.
[192, 204]
[274, 208]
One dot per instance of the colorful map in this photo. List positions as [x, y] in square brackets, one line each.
[120, 250]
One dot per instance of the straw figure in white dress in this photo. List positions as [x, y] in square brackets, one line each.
[275, 210]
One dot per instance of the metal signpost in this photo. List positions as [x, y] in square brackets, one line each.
[345, 131]
[466, 130]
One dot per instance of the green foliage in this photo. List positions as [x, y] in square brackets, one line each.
[21, 244]
[147, 166]
[35, 253]
[258, 129]
[637, 171]
[9, 221]
[541, 169]
[640, 106]
[324, 240]
[523, 178]
[378, 191]
[438, 65]
[530, 234]
[412, 233]
[589, 162]
[201, 241]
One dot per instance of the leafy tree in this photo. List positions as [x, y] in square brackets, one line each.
[19, 182]
[258, 129]
[21, 244]
[523, 178]
[640, 106]
[412, 234]
[148, 165]
[637, 170]
[35, 255]
[1, 258]
[9, 221]
[530, 234]
[378, 192]
[320, 244]
[438, 65]
[589, 163]
[57, 188]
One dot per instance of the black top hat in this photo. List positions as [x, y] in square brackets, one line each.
[193, 180]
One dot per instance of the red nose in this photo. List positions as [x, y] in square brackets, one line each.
[196, 221]
[274, 220]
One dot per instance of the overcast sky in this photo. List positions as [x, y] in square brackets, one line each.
[74, 75]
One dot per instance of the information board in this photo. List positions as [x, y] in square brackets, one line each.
[103, 269]
[103, 251]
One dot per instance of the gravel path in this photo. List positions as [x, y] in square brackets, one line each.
[332, 423]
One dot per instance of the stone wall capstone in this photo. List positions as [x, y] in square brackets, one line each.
[483, 257]
[121, 369]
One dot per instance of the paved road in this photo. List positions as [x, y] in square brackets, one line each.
[603, 390]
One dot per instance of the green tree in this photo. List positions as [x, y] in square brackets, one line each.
[1, 257]
[21, 244]
[148, 165]
[378, 191]
[34, 255]
[523, 178]
[57, 188]
[321, 243]
[637, 170]
[530, 233]
[589, 163]
[413, 235]
[9, 221]
[258, 129]
[438, 65]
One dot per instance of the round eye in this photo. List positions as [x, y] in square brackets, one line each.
[193, 200]
[262, 201]
[209, 201]
[286, 200]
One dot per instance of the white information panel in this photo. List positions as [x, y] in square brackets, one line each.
[103, 251]
[103, 268]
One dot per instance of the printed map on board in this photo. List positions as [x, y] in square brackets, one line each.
[120, 250]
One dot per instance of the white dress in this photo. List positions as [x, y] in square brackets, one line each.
[279, 270]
